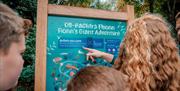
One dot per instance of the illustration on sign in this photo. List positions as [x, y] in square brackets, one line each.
[65, 41]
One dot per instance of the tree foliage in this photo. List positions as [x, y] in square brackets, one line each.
[77, 3]
[166, 8]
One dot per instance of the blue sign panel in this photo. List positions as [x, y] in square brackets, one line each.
[66, 38]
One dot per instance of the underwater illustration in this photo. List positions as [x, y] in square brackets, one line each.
[65, 53]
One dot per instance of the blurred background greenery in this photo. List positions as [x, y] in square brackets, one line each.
[27, 9]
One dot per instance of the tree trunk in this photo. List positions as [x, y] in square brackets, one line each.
[151, 3]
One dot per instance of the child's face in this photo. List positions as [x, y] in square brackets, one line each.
[11, 64]
[178, 27]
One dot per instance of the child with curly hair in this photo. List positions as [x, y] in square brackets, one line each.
[149, 56]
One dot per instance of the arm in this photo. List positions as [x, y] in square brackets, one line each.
[93, 53]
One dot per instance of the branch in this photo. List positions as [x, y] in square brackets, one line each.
[58, 2]
[169, 8]
[174, 5]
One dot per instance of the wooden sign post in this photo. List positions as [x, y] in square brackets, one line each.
[63, 30]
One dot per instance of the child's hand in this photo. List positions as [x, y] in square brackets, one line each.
[93, 53]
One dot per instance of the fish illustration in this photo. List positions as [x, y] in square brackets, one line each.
[71, 67]
[57, 59]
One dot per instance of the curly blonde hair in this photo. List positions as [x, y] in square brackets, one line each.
[149, 56]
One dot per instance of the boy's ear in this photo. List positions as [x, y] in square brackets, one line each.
[27, 24]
